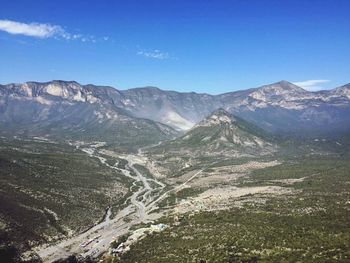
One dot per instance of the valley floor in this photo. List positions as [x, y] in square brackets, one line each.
[269, 209]
[98, 238]
[297, 211]
[150, 200]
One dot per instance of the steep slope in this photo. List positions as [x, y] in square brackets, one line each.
[222, 133]
[281, 108]
[67, 110]
[343, 91]
[50, 191]
[179, 110]
[219, 140]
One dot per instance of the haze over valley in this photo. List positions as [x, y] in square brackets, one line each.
[86, 165]
[211, 131]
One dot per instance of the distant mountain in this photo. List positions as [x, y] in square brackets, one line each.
[281, 108]
[343, 92]
[67, 110]
[222, 132]
[179, 110]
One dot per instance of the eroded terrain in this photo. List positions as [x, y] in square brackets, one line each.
[145, 204]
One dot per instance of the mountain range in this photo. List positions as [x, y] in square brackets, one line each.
[280, 108]
[141, 116]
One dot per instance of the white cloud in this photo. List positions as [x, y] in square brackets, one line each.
[312, 85]
[156, 54]
[33, 29]
[40, 30]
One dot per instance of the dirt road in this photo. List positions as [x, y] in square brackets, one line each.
[97, 239]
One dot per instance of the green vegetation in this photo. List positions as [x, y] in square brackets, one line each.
[142, 169]
[227, 135]
[49, 190]
[170, 200]
[121, 163]
[311, 224]
[120, 240]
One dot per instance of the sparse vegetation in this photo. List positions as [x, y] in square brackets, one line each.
[310, 225]
[52, 190]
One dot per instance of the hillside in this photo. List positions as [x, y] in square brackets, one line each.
[221, 132]
[280, 108]
[68, 111]
[218, 139]
[51, 191]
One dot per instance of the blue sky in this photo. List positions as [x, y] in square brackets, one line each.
[199, 45]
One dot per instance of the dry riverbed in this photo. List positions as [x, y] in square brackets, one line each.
[142, 205]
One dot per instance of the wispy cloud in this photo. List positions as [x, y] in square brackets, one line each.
[312, 85]
[156, 54]
[43, 30]
[32, 29]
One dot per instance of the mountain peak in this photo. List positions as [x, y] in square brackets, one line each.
[55, 81]
[283, 85]
[219, 116]
[279, 90]
[342, 91]
[223, 132]
[283, 82]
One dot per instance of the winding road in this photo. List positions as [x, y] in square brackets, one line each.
[97, 239]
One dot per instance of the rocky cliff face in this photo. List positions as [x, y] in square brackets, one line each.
[281, 108]
[69, 111]
[222, 131]
[220, 134]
